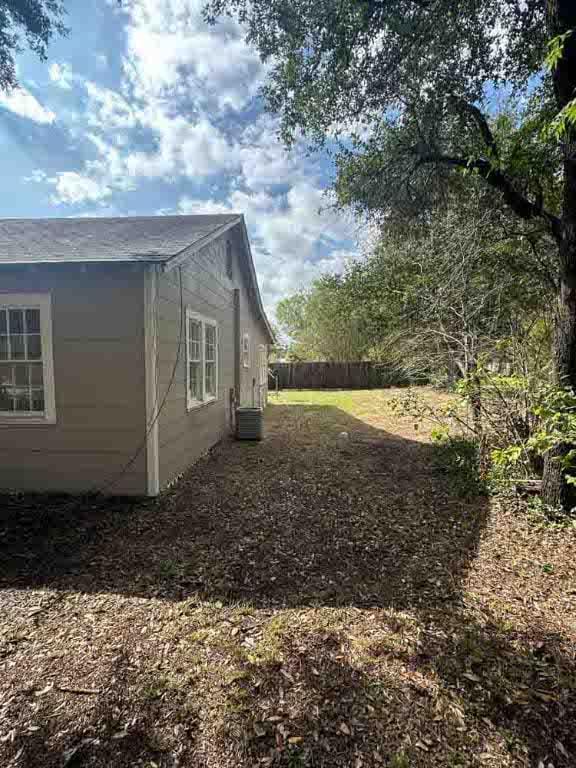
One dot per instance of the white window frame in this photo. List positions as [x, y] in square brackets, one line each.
[246, 350]
[192, 403]
[43, 302]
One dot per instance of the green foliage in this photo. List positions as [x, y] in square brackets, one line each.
[546, 516]
[459, 457]
[562, 122]
[555, 50]
[552, 411]
[556, 412]
[321, 323]
[34, 23]
[429, 301]
[399, 760]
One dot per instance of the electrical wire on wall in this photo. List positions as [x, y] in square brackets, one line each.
[121, 474]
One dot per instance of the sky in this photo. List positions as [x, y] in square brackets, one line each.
[144, 109]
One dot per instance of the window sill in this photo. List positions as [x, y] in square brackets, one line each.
[7, 420]
[196, 404]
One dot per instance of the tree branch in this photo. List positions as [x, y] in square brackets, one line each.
[481, 123]
[520, 204]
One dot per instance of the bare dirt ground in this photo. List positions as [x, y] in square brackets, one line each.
[303, 601]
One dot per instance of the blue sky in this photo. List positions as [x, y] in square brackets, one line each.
[144, 109]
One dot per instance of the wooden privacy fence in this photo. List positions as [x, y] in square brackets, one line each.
[334, 375]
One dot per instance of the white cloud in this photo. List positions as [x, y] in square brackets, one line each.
[171, 76]
[23, 103]
[171, 50]
[72, 187]
[195, 150]
[265, 162]
[108, 109]
[38, 176]
[61, 75]
[294, 241]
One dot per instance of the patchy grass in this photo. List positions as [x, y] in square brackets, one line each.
[305, 601]
[371, 406]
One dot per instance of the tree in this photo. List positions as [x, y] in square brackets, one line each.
[26, 22]
[320, 323]
[454, 296]
[405, 87]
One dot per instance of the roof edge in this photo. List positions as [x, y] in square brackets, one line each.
[176, 260]
[254, 278]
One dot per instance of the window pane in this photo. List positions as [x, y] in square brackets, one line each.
[195, 381]
[34, 347]
[33, 321]
[21, 374]
[16, 320]
[3, 326]
[36, 375]
[195, 330]
[37, 399]
[211, 379]
[195, 338]
[6, 374]
[6, 402]
[17, 347]
[3, 347]
[210, 343]
[6, 381]
[21, 400]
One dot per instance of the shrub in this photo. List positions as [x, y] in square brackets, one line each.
[460, 459]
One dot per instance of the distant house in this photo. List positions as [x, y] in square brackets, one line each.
[125, 344]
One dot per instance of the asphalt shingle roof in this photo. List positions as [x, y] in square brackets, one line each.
[143, 238]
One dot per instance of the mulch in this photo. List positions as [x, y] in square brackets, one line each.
[304, 601]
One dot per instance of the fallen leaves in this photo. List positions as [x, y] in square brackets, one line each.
[288, 604]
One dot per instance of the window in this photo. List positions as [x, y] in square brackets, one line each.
[246, 350]
[26, 368]
[201, 360]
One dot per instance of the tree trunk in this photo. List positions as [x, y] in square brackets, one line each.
[562, 19]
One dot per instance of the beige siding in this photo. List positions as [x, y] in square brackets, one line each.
[99, 378]
[207, 290]
[249, 377]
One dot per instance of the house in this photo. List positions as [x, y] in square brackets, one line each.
[125, 345]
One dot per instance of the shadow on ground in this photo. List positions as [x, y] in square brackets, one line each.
[300, 521]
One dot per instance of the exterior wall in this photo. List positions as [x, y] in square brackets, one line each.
[207, 290]
[99, 378]
[250, 393]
